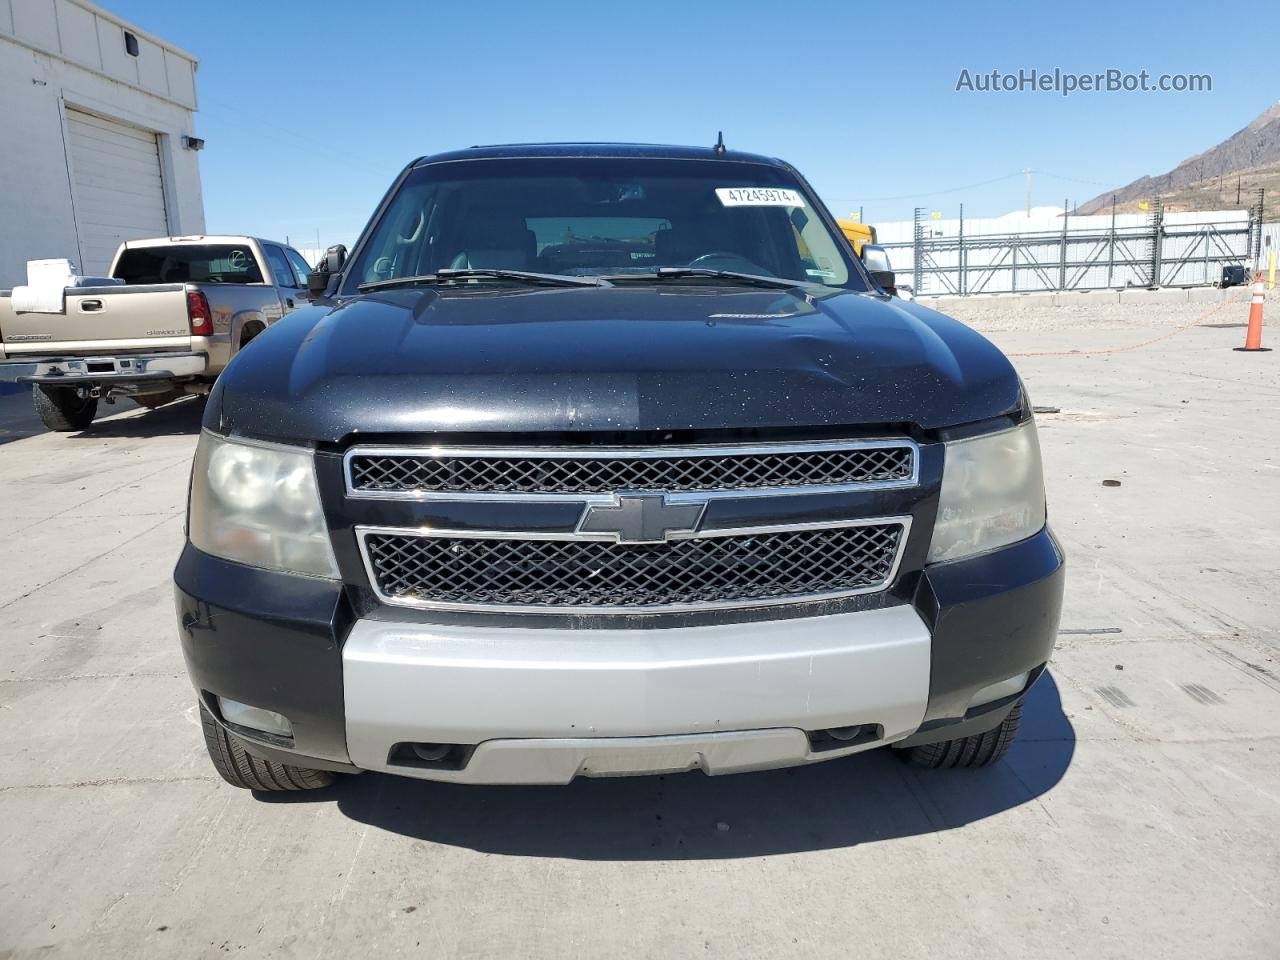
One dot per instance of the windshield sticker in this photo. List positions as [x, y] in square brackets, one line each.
[759, 197]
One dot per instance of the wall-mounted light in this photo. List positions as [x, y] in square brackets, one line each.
[130, 44]
[193, 143]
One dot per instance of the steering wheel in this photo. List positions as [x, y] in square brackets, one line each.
[728, 261]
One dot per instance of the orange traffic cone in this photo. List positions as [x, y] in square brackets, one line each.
[1253, 336]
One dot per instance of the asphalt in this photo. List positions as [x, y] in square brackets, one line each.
[1136, 816]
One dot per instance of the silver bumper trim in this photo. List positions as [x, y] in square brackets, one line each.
[544, 705]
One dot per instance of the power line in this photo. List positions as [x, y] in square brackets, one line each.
[1058, 176]
[919, 194]
[935, 193]
[362, 162]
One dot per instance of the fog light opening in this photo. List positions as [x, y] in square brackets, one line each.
[839, 738]
[255, 718]
[431, 752]
[431, 756]
[997, 691]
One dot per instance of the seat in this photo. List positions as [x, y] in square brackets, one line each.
[497, 240]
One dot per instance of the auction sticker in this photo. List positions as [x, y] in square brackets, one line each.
[759, 197]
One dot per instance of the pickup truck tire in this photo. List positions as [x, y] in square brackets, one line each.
[242, 769]
[979, 750]
[61, 410]
[153, 400]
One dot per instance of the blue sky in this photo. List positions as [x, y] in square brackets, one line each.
[310, 109]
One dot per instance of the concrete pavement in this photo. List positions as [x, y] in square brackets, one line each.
[1136, 816]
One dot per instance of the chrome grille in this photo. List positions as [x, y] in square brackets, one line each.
[468, 571]
[382, 472]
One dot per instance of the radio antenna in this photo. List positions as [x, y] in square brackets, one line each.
[720, 142]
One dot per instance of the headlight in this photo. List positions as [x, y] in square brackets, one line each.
[992, 493]
[258, 504]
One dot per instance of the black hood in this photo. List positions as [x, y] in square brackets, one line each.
[673, 357]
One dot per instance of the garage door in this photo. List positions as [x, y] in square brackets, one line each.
[118, 190]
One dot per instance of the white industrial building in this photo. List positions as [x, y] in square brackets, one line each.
[98, 120]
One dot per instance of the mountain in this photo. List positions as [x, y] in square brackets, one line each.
[1251, 154]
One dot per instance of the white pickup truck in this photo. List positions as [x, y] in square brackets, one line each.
[185, 306]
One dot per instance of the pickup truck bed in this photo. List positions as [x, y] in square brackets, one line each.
[153, 341]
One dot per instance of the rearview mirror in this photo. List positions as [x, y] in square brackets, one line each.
[330, 264]
[876, 259]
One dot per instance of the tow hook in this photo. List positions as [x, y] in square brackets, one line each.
[98, 393]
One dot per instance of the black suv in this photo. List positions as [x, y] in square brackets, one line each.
[600, 460]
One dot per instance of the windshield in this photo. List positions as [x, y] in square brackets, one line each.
[589, 217]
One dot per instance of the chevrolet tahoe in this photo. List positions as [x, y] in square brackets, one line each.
[599, 460]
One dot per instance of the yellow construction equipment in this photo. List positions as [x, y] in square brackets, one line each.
[857, 233]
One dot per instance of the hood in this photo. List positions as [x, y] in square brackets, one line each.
[670, 357]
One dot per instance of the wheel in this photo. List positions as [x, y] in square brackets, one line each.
[153, 400]
[62, 410]
[241, 769]
[979, 750]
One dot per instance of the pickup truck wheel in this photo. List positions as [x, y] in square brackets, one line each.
[61, 410]
[979, 750]
[241, 769]
[153, 400]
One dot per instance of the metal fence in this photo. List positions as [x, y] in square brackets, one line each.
[1155, 249]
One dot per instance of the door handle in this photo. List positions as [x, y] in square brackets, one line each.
[90, 306]
[289, 301]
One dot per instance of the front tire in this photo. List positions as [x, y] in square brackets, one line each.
[242, 769]
[62, 410]
[979, 750]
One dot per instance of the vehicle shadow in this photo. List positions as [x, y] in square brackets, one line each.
[842, 803]
[173, 419]
[18, 420]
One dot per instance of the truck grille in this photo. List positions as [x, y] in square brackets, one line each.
[451, 571]
[407, 473]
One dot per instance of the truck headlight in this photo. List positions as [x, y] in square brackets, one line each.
[992, 493]
[258, 503]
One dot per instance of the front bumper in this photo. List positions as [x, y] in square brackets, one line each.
[82, 371]
[546, 705]
[541, 705]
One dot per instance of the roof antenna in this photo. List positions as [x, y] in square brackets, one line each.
[720, 142]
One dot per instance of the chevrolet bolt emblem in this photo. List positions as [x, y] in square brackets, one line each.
[641, 518]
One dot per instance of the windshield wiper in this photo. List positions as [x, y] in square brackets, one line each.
[751, 279]
[443, 276]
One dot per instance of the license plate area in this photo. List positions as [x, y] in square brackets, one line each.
[95, 366]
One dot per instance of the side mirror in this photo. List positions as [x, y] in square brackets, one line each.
[334, 258]
[330, 264]
[317, 283]
[876, 259]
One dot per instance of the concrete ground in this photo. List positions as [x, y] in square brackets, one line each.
[1137, 816]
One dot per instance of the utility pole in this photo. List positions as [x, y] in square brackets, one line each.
[1028, 172]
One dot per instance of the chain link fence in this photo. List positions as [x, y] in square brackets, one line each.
[1152, 249]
